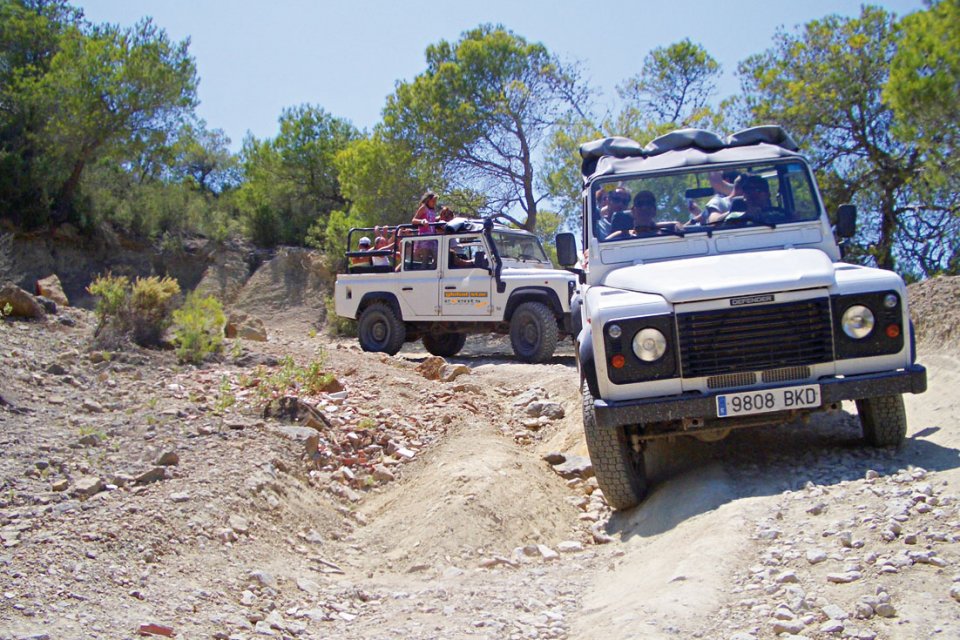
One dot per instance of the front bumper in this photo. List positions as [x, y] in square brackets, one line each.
[704, 406]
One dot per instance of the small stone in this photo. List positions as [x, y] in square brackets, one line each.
[180, 496]
[816, 556]
[844, 578]
[87, 486]
[787, 577]
[570, 546]
[832, 626]
[575, 467]
[168, 459]
[238, 524]
[309, 586]
[383, 474]
[155, 474]
[263, 578]
[885, 610]
[834, 612]
[91, 406]
[547, 553]
[787, 626]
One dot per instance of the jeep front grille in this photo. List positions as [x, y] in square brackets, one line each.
[755, 338]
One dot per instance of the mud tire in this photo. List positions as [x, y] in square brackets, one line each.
[883, 420]
[620, 471]
[533, 332]
[380, 330]
[444, 344]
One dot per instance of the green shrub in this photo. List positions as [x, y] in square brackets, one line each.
[198, 328]
[113, 292]
[151, 300]
[140, 311]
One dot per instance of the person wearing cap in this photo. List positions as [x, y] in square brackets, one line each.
[363, 245]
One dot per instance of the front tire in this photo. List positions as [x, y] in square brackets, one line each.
[533, 332]
[884, 420]
[380, 330]
[444, 344]
[620, 470]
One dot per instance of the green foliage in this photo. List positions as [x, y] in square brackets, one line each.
[101, 91]
[151, 300]
[291, 182]
[481, 109]
[674, 86]
[924, 84]
[140, 311]
[112, 292]
[291, 378]
[825, 85]
[198, 328]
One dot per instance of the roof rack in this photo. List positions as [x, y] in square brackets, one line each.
[682, 139]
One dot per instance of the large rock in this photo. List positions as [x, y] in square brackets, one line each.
[431, 367]
[22, 304]
[246, 327]
[51, 288]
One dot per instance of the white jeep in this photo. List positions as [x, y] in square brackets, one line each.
[720, 301]
[466, 277]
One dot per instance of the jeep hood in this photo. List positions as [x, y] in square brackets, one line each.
[723, 276]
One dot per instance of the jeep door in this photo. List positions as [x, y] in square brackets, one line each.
[465, 281]
[419, 277]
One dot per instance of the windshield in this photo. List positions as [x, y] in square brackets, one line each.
[520, 246]
[704, 200]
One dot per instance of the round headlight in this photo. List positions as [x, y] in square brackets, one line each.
[614, 331]
[649, 344]
[890, 301]
[857, 321]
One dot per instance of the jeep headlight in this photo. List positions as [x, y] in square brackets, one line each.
[649, 344]
[857, 321]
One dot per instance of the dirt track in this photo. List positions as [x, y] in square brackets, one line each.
[728, 545]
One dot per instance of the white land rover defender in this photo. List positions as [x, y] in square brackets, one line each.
[715, 298]
[469, 276]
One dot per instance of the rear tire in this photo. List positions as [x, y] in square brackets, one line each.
[380, 330]
[533, 332]
[884, 420]
[620, 471]
[444, 344]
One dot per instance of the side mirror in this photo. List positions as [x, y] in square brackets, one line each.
[566, 249]
[846, 220]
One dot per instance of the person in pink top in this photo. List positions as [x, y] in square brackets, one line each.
[426, 214]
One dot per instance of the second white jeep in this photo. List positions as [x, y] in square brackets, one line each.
[467, 277]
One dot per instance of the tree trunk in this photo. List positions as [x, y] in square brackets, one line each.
[63, 205]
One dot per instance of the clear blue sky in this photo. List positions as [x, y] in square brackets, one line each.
[256, 57]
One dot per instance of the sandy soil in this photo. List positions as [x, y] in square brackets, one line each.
[780, 532]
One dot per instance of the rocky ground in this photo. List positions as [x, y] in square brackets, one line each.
[404, 497]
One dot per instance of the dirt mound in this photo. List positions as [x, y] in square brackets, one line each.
[294, 278]
[478, 491]
[935, 310]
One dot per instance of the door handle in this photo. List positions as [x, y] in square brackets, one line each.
[407, 289]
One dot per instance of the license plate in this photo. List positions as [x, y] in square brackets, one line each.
[767, 400]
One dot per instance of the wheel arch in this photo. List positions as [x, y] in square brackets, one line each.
[585, 362]
[545, 295]
[379, 296]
